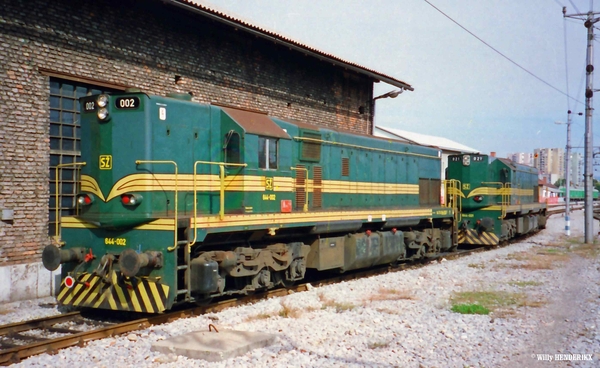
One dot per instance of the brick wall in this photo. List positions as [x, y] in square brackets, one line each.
[155, 47]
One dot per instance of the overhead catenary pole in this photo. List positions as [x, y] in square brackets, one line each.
[568, 177]
[588, 174]
[589, 149]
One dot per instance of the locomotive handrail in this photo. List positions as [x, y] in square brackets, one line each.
[505, 200]
[139, 162]
[305, 207]
[56, 202]
[221, 191]
[454, 197]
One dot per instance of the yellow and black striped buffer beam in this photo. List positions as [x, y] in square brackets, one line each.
[134, 294]
[471, 236]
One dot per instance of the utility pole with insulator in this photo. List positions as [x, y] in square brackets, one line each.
[589, 149]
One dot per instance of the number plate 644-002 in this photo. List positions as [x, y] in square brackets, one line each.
[127, 103]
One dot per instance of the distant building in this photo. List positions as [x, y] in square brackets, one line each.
[447, 146]
[550, 162]
[523, 158]
[576, 169]
[548, 192]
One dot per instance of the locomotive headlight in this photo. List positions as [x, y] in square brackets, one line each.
[102, 100]
[131, 199]
[466, 160]
[85, 199]
[478, 198]
[103, 114]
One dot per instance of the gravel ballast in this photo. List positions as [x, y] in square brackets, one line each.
[548, 307]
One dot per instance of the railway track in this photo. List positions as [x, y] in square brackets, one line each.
[21, 340]
[17, 341]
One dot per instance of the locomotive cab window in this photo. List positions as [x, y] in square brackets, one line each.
[232, 147]
[267, 153]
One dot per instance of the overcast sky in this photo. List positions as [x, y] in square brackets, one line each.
[463, 89]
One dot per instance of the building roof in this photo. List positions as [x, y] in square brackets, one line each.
[442, 143]
[282, 40]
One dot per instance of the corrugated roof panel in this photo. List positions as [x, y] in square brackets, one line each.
[428, 140]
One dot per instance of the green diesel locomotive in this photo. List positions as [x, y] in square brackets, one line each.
[182, 202]
[496, 198]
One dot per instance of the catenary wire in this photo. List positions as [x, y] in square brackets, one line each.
[500, 53]
[575, 6]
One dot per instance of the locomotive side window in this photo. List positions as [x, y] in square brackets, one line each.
[267, 153]
[232, 147]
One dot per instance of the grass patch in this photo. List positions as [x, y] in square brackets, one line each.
[502, 303]
[378, 345]
[524, 283]
[288, 312]
[476, 265]
[518, 256]
[575, 245]
[488, 299]
[391, 294]
[338, 306]
[542, 259]
[388, 311]
[257, 317]
[470, 309]
[587, 250]
[551, 251]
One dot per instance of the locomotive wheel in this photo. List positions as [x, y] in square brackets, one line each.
[279, 279]
[202, 300]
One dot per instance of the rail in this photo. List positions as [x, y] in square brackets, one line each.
[74, 337]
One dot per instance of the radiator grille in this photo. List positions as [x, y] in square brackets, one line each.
[429, 192]
[310, 150]
[300, 186]
[318, 185]
[345, 166]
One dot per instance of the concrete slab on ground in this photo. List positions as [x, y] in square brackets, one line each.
[214, 346]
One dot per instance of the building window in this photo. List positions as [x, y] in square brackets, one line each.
[267, 153]
[65, 144]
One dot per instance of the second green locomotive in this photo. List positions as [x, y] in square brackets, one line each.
[496, 198]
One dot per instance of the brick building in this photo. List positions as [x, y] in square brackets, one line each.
[52, 53]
